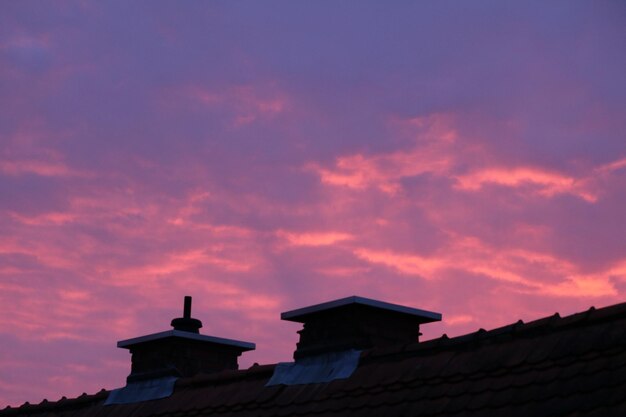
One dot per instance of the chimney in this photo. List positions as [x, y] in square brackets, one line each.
[181, 352]
[356, 323]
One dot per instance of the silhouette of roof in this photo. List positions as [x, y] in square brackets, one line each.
[570, 366]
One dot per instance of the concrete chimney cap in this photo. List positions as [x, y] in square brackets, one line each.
[302, 314]
[128, 343]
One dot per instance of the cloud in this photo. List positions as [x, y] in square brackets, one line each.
[314, 238]
[45, 169]
[612, 166]
[521, 270]
[44, 219]
[459, 319]
[582, 286]
[436, 152]
[429, 155]
[467, 160]
[544, 182]
[404, 263]
[248, 103]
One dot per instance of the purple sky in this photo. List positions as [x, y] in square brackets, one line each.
[463, 157]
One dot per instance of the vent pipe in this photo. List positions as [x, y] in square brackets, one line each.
[186, 323]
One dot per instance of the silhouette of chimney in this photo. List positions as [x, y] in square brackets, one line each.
[355, 323]
[181, 352]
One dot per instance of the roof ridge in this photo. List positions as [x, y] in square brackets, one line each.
[361, 390]
[548, 324]
[45, 404]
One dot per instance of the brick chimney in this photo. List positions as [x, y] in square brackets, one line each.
[355, 323]
[181, 352]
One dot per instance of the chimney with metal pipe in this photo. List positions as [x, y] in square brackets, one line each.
[183, 351]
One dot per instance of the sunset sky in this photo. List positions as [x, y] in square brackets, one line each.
[467, 158]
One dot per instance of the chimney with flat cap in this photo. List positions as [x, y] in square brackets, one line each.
[181, 352]
[356, 323]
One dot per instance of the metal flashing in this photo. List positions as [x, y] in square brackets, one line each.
[185, 335]
[316, 369]
[301, 314]
[134, 392]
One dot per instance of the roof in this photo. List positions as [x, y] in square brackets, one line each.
[570, 366]
[302, 314]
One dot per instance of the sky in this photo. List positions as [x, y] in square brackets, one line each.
[467, 158]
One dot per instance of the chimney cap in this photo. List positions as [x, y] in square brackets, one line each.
[129, 343]
[301, 315]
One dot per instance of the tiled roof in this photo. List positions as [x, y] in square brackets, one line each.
[570, 366]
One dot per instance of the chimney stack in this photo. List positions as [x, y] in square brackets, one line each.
[181, 352]
[355, 323]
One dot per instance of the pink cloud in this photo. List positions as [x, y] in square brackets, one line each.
[612, 166]
[249, 103]
[404, 263]
[435, 152]
[44, 218]
[46, 169]
[550, 275]
[430, 154]
[260, 172]
[185, 261]
[582, 286]
[459, 319]
[314, 238]
[346, 272]
[546, 183]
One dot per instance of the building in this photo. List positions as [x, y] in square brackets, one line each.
[362, 357]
